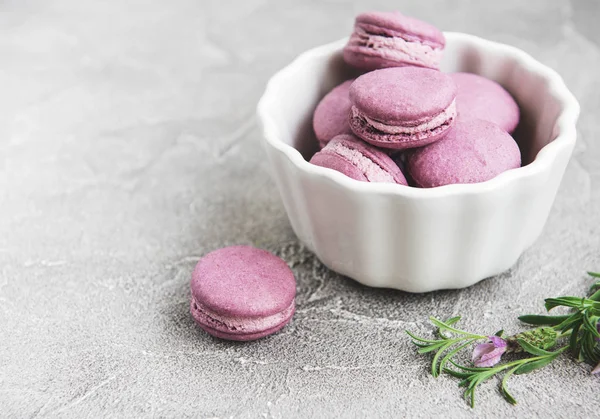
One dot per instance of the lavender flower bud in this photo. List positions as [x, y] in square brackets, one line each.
[542, 337]
[489, 354]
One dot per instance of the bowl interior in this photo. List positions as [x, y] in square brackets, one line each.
[316, 72]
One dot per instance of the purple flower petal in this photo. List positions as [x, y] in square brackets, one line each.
[489, 354]
[497, 341]
[482, 349]
[491, 358]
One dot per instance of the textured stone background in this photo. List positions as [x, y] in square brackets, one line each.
[129, 148]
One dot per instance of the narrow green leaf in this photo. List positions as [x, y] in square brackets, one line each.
[473, 381]
[504, 386]
[596, 294]
[594, 285]
[420, 345]
[576, 302]
[478, 379]
[586, 351]
[471, 369]
[594, 274]
[499, 333]
[452, 320]
[470, 395]
[467, 394]
[449, 328]
[465, 382]
[449, 322]
[543, 320]
[534, 365]
[420, 339]
[434, 363]
[453, 352]
[588, 347]
[571, 322]
[533, 350]
[457, 374]
[574, 340]
[431, 348]
[443, 326]
[590, 325]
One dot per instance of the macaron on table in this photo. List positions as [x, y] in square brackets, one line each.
[242, 293]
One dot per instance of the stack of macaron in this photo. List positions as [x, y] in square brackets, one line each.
[405, 119]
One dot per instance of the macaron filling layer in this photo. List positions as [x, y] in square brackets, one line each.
[372, 171]
[419, 31]
[242, 337]
[438, 122]
[230, 324]
[371, 40]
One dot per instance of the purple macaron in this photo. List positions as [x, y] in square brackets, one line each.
[478, 97]
[402, 107]
[242, 293]
[390, 39]
[331, 114]
[358, 160]
[473, 151]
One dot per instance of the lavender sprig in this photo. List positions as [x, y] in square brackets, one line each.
[446, 343]
[581, 326]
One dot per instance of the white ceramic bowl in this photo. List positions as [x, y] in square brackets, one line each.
[417, 240]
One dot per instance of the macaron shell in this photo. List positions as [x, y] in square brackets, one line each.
[363, 169]
[330, 160]
[379, 157]
[240, 328]
[397, 24]
[240, 337]
[242, 281]
[369, 62]
[406, 95]
[395, 141]
[331, 114]
[390, 39]
[244, 337]
[473, 151]
[478, 97]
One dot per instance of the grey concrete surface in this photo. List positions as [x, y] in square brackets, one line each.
[129, 148]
